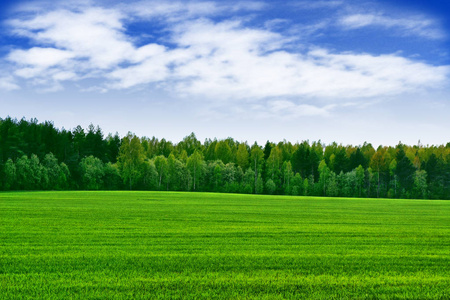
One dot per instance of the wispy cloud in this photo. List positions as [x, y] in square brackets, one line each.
[7, 83]
[412, 26]
[289, 109]
[37, 62]
[181, 10]
[318, 4]
[224, 61]
[275, 109]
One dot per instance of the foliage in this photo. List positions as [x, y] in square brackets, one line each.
[10, 175]
[38, 156]
[93, 170]
[130, 159]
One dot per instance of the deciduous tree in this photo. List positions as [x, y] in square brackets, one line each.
[130, 160]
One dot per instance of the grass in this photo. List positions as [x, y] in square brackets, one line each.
[123, 245]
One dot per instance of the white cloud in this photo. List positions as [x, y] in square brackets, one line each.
[39, 57]
[413, 25]
[7, 83]
[364, 75]
[234, 62]
[36, 62]
[279, 109]
[198, 57]
[152, 69]
[95, 34]
[289, 109]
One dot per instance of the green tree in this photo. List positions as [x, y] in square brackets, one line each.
[195, 165]
[324, 174]
[223, 152]
[376, 163]
[28, 172]
[183, 157]
[79, 141]
[370, 181]
[349, 183]
[297, 185]
[274, 164]
[404, 171]
[217, 175]
[130, 160]
[38, 178]
[162, 169]
[12, 140]
[10, 175]
[288, 174]
[306, 186]
[242, 157]
[176, 179]
[210, 150]
[393, 174]
[300, 160]
[333, 186]
[64, 177]
[53, 169]
[112, 147]
[149, 176]
[341, 161]
[259, 189]
[357, 159]
[420, 184]
[172, 171]
[111, 177]
[229, 175]
[257, 160]
[270, 187]
[315, 157]
[248, 182]
[190, 144]
[92, 171]
[165, 147]
[359, 179]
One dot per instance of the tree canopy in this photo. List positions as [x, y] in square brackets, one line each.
[39, 156]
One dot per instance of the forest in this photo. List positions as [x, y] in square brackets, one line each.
[39, 156]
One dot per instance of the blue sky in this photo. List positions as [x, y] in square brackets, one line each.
[337, 70]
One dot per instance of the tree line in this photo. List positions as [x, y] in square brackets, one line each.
[38, 156]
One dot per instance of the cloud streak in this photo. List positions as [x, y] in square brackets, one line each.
[412, 26]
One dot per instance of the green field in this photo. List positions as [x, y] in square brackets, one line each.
[123, 245]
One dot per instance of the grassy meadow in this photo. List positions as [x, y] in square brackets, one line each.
[133, 245]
